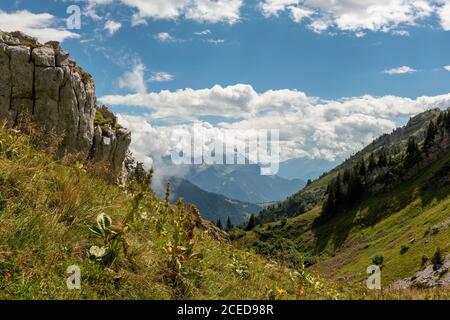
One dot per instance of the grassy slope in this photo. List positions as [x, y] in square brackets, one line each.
[43, 206]
[347, 248]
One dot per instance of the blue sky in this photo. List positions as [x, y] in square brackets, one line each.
[292, 56]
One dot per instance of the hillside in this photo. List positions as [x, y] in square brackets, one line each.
[55, 214]
[399, 221]
[48, 213]
[312, 195]
[213, 206]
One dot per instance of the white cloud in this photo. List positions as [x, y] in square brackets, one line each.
[161, 77]
[447, 68]
[401, 33]
[216, 41]
[298, 14]
[444, 15]
[203, 33]
[308, 126]
[112, 26]
[400, 70]
[134, 79]
[212, 11]
[41, 25]
[351, 15]
[165, 37]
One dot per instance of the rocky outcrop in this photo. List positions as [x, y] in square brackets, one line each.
[40, 80]
[432, 276]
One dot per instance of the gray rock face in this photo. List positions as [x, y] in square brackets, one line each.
[430, 277]
[41, 81]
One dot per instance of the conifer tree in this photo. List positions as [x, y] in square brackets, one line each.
[383, 160]
[229, 224]
[413, 155]
[251, 223]
[430, 135]
[372, 162]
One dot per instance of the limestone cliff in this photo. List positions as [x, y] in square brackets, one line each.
[41, 80]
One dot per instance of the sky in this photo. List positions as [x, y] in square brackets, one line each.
[331, 75]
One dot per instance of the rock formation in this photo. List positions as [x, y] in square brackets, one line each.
[430, 277]
[43, 82]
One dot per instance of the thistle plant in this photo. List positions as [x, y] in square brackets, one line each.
[113, 240]
[180, 249]
[239, 267]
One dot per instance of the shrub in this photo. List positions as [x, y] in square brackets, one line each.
[437, 260]
[404, 248]
[378, 260]
[424, 260]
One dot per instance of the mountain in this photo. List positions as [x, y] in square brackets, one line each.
[305, 168]
[388, 205]
[212, 206]
[242, 182]
[311, 196]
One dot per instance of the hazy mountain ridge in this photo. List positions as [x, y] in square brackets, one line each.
[213, 206]
[242, 182]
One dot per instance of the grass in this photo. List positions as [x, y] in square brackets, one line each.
[46, 207]
[402, 226]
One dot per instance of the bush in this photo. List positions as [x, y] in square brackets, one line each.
[437, 260]
[404, 248]
[378, 260]
[424, 260]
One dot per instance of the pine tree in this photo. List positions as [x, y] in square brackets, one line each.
[372, 162]
[347, 174]
[383, 160]
[413, 154]
[355, 187]
[430, 135]
[139, 172]
[362, 168]
[251, 223]
[219, 224]
[334, 197]
[229, 224]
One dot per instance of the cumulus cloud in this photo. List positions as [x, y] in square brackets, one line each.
[352, 15]
[216, 41]
[112, 26]
[212, 11]
[202, 33]
[444, 15]
[400, 70]
[309, 126]
[165, 37]
[41, 25]
[134, 79]
[161, 77]
[447, 68]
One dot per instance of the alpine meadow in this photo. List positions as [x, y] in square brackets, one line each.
[250, 150]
